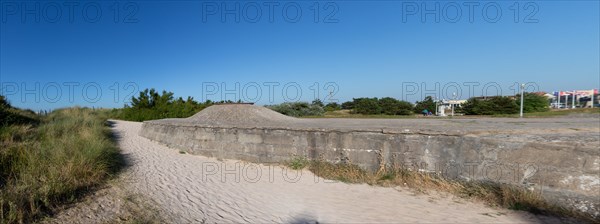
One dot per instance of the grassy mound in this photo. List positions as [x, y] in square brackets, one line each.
[51, 162]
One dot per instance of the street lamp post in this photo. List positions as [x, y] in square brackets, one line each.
[452, 103]
[436, 106]
[521, 110]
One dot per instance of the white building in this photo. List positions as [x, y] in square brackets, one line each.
[448, 107]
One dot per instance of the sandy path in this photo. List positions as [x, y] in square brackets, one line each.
[189, 188]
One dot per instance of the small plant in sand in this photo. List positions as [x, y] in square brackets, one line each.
[298, 162]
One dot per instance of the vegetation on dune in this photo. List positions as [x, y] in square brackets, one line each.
[427, 104]
[364, 106]
[386, 105]
[333, 106]
[349, 114]
[46, 161]
[505, 105]
[491, 106]
[492, 193]
[10, 115]
[152, 105]
[299, 109]
[533, 103]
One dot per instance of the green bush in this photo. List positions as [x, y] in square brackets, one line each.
[366, 106]
[298, 109]
[14, 116]
[490, 106]
[391, 106]
[151, 105]
[533, 103]
[386, 105]
[348, 105]
[426, 104]
[332, 107]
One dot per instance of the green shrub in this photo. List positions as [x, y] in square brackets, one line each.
[427, 104]
[533, 103]
[391, 106]
[366, 106]
[151, 105]
[14, 116]
[332, 107]
[386, 105]
[298, 162]
[348, 105]
[490, 106]
[298, 109]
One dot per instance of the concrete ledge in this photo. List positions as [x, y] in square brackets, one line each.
[563, 164]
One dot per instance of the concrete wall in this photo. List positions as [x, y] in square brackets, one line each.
[568, 174]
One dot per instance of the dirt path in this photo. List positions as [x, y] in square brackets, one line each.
[190, 188]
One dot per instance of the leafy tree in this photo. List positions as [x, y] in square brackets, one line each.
[386, 105]
[504, 105]
[404, 108]
[348, 105]
[298, 109]
[333, 106]
[426, 104]
[318, 102]
[150, 105]
[391, 106]
[470, 107]
[490, 106]
[533, 102]
[366, 106]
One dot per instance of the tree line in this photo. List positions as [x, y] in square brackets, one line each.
[151, 104]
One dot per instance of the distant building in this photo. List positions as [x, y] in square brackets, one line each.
[445, 106]
[583, 98]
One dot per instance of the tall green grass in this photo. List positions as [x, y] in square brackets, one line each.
[41, 166]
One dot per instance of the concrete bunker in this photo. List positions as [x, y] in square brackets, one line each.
[562, 161]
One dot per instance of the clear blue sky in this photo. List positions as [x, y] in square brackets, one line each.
[367, 48]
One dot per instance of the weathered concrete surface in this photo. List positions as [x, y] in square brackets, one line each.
[558, 156]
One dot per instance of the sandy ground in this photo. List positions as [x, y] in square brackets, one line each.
[186, 188]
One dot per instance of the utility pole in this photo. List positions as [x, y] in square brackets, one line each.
[522, 90]
[452, 103]
[436, 109]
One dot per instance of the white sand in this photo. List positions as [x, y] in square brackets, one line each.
[190, 188]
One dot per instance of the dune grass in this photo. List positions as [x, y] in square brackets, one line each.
[42, 165]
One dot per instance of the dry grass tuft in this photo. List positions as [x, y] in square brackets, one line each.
[491, 193]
